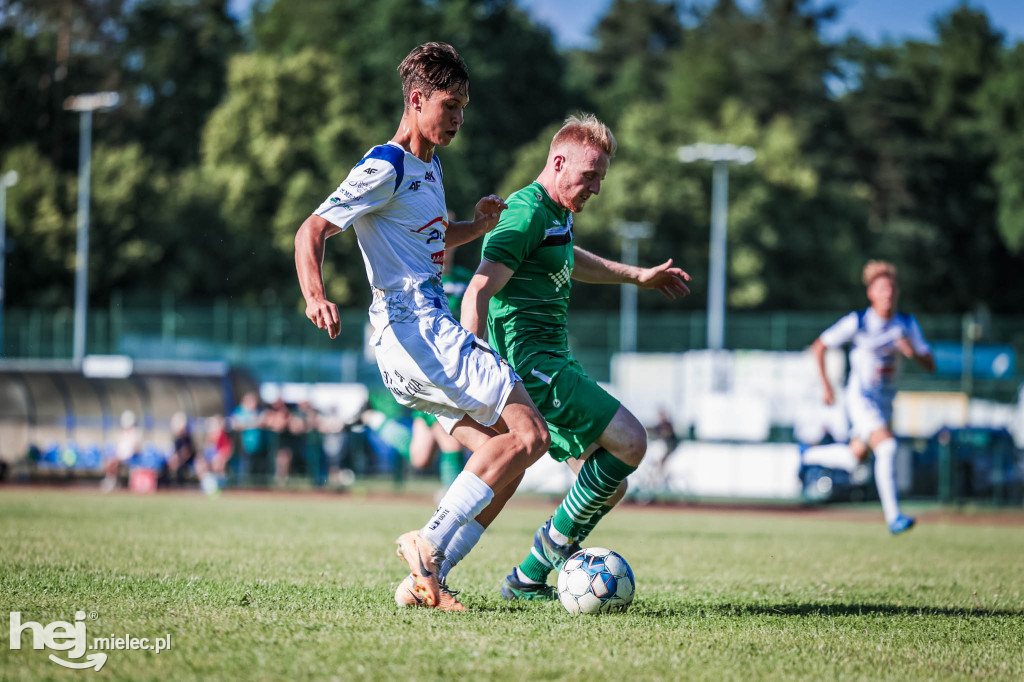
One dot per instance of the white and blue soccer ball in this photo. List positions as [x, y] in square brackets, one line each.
[595, 580]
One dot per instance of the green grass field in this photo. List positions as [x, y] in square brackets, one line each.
[286, 587]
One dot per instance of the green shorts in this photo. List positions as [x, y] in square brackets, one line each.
[575, 407]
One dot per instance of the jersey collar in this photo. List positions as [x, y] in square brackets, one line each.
[542, 194]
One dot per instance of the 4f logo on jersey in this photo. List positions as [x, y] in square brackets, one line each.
[415, 185]
[370, 171]
[433, 234]
[429, 176]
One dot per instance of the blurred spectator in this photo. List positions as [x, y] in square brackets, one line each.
[184, 450]
[218, 445]
[651, 477]
[278, 420]
[248, 422]
[665, 431]
[304, 428]
[332, 430]
[185, 453]
[129, 444]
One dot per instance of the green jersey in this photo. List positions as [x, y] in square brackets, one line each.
[533, 238]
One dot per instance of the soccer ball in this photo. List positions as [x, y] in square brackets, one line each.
[595, 580]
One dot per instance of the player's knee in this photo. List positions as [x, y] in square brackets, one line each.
[634, 450]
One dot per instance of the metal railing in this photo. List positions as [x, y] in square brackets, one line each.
[279, 344]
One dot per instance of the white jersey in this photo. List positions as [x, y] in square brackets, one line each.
[875, 362]
[395, 202]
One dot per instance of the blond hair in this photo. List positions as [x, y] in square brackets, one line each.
[585, 130]
[878, 268]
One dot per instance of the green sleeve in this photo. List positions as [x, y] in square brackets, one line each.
[515, 237]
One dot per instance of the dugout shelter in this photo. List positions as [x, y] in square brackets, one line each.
[47, 404]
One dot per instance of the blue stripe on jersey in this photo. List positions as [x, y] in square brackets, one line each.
[437, 162]
[391, 154]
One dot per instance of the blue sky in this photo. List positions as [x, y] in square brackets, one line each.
[875, 20]
[572, 21]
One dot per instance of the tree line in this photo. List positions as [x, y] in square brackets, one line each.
[230, 134]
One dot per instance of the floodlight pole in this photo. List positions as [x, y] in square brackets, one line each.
[9, 179]
[720, 155]
[631, 232]
[85, 105]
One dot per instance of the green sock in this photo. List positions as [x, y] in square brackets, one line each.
[535, 568]
[597, 481]
[449, 466]
[586, 528]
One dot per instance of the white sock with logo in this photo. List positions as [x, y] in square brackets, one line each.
[833, 456]
[885, 478]
[467, 497]
[459, 546]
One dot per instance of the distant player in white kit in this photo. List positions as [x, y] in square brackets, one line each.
[394, 200]
[881, 337]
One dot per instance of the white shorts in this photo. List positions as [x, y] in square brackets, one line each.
[868, 412]
[431, 364]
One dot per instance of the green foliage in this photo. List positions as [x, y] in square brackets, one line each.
[1001, 102]
[228, 137]
[516, 74]
[635, 41]
[174, 67]
[40, 231]
[283, 123]
[916, 128]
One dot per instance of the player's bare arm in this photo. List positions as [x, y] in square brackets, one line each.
[591, 268]
[485, 217]
[309, 258]
[925, 360]
[489, 279]
[819, 348]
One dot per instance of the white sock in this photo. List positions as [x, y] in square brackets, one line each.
[467, 497]
[885, 478]
[559, 538]
[208, 483]
[523, 578]
[833, 456]
[459, 546]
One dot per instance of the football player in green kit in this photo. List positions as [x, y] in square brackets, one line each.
[521, 292]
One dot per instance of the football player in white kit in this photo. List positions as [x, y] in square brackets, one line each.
[881, 337]
[394, 201]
